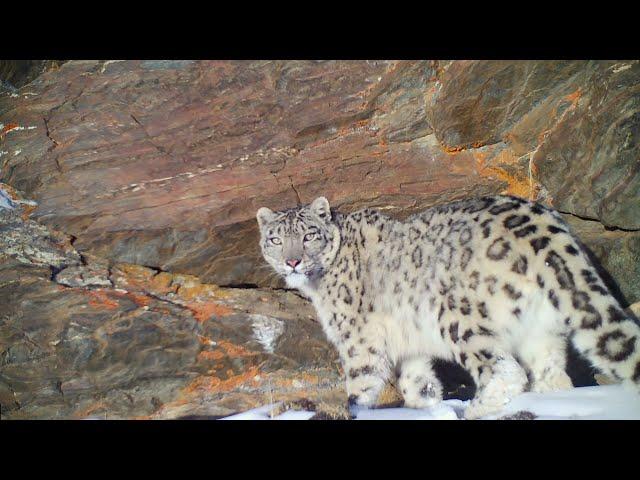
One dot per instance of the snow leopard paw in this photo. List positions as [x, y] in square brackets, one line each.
[418, 383]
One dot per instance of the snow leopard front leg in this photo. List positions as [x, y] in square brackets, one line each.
[366, 369]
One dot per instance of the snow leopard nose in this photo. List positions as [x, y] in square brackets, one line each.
[293, 262]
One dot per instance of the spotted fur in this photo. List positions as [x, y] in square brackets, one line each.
[495, 283]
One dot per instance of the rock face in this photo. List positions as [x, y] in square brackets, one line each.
[164, 163]
[129, 342]
[17, 73]
[140, 182]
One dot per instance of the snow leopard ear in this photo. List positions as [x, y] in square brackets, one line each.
[320, 206]
[264, 216]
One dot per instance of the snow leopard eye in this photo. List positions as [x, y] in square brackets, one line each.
[275, 241]
[309, 236]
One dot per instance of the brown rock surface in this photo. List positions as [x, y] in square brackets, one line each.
[17, 73]
[164, 163]
[596, 146]
[146, 344]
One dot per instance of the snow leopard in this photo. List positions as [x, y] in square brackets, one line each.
[497, 284]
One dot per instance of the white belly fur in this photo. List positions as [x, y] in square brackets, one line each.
[403, 339]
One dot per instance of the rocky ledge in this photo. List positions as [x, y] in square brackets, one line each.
[81, 338]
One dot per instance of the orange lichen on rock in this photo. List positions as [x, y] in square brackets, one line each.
[27, 210]
[209, 355]
[204, 340]
[141, 300]
[202, 386]
[7, 128]
[213, 384]
[137, 277]
[100, 299]
[187, 287]
[186, 290]
[520, 186]
[190, 288]
[233, 350]
[205, 310]
[90, 409]
[224, 349]
[461, 148]
[574, 97]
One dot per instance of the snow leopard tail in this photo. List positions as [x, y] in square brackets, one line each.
[600, 329]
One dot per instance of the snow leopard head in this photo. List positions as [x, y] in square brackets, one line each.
[299, 243]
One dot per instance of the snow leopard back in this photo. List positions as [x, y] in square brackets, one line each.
[503, 270]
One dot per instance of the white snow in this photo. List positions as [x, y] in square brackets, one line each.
[266, 330]
[606, 402]
[5, 200]
[446, 410]
[9, 203]
[262, 413]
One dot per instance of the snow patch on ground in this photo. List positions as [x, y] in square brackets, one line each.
[5, 200]
[10, 203]
[606, 402]
[266, 330]
[262, 413]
